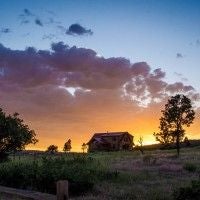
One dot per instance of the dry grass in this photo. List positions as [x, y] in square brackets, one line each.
[152, 176]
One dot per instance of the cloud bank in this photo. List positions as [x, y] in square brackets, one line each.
[109, 93]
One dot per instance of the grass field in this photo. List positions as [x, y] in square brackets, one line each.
[114, 175]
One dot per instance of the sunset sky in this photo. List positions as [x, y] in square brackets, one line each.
[75, 67]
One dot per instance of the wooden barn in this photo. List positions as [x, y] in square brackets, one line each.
[110, 141]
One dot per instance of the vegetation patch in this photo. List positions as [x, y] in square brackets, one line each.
[191, 167]
[191, 192]
[41, 175]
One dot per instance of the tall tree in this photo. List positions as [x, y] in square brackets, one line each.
[14, 134]
[67, 146]
[178, 114]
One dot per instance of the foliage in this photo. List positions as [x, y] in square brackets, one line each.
[191, 167]
[41, 175]
[52, 149]
[186, 141]
[14, 134]
[84, 147]
[67, 146]
[188, 193]
[163, 135]
[177, 114]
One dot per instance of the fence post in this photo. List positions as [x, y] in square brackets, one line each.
[62, 190]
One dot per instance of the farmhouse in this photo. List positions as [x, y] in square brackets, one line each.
[110, 141]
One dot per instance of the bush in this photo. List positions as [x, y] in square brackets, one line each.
[42, 175]
[190, 167]
[188, 193]
[3, 156]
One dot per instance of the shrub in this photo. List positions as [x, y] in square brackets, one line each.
[43, 174]
[190, 167]
[3, 156]
[188, 193]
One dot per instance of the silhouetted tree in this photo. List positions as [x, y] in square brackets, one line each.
[67, 146]
[52, 148]
[84, 147]
[177, 114]
[14, 134]
[140, 141]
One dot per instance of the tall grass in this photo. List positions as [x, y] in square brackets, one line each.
[41, 175]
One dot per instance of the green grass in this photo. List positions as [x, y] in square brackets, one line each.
[113, 175]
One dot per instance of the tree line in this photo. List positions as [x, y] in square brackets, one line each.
[66, 148]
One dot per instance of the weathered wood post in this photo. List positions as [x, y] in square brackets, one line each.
[62, 190]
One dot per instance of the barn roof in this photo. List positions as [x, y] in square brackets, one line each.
[109, 134]
[100, 136]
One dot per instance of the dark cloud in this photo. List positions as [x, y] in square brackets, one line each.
[38, 22]
[27, 12]
[77, 29]
[26, 16]
[5, 30]
[179, 55]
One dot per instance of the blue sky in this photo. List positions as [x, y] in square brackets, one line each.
[163, 33]
[140, 30]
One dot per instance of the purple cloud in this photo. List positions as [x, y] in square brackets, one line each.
[81, 68]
